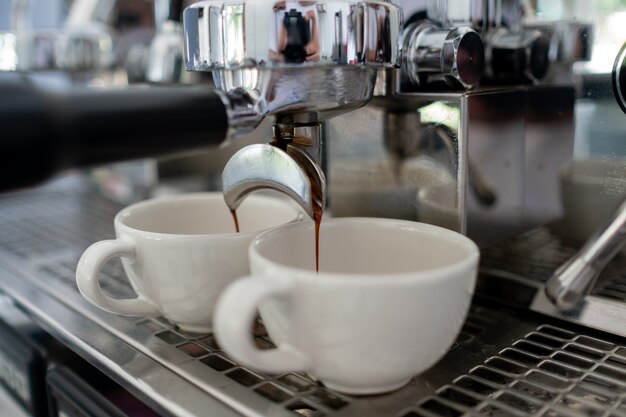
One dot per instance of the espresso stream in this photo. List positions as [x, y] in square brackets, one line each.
[317, 218]
[236, 220]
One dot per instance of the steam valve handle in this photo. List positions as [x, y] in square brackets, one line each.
[517, 56]
[456, 54]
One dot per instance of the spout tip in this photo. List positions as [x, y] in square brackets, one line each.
[571, 283]
[263, 166]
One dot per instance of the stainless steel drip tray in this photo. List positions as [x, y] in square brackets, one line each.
[501, 364]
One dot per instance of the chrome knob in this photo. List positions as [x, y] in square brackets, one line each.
[456, 55]
[223, 34]
[517, 56]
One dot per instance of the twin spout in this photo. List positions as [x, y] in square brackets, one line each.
[287, 164]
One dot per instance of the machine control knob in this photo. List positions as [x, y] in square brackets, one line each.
[517, 56]
[456, 54]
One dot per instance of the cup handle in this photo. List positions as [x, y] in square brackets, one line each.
[89, 266]
[234, 316]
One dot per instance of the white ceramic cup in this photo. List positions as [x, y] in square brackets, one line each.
[389, 300]
[179, 253]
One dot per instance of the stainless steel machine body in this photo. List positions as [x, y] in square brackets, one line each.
[502, 143]
[501, 148]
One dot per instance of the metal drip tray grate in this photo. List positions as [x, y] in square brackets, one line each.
[62, 217]
[500, 365]
[550, 372]
[535, 255]
[295, 392]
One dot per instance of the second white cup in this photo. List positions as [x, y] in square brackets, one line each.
[389, 300]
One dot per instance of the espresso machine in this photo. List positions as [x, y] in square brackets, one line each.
[499, 119]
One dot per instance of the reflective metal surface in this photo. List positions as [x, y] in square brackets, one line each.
[491, 162]
[89, 12]
[264, 166]
[481, 14]
[491, 143]
[518, 269]
[457, 54]
[516, 57]
[165, 56]
[570, 41]
[83, 44]
[304, 62]
[574, 279]
[261, 34]
[63, 49]
[325, 91]
[319, 60]
[165, 62]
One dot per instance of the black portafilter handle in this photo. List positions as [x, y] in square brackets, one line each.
[43, 132]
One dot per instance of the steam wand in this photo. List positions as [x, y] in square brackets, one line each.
[573, 280]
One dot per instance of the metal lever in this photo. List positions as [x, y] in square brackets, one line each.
[573, 280]
[455, 54]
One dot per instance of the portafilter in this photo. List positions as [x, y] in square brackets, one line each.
[302, 62]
